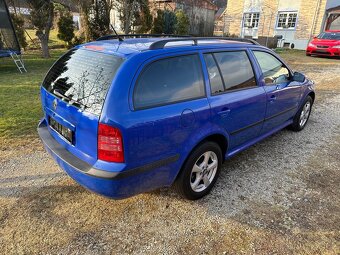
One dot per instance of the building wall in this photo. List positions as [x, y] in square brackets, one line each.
[201, 20]
[201, 14]
[234, 16]
[309, 20]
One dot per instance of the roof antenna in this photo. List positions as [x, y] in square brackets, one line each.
[118, 36]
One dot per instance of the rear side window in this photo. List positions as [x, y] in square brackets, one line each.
[168, 81]
[235, 69]
[82, 78]
[216, 82]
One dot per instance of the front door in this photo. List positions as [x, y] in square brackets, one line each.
[283, 94]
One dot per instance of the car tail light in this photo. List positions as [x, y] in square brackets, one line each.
[110, 144]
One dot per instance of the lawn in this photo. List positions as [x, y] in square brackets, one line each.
[20, 108]
[54, 41]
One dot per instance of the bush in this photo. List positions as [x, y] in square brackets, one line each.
[66, 28]
[18, 23]
[78, 40]
[165, 22]
[182, 26]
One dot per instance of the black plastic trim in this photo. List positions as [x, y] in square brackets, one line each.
[52, 145]
[260, 122]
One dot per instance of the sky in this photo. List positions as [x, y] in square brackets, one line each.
[332, 3]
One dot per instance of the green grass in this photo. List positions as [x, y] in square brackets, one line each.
[20, 107]
[53, 42]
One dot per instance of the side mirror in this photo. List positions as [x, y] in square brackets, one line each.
[299, 77]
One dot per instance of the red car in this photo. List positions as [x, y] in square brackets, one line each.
[325, 44]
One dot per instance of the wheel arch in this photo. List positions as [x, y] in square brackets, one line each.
[219, 138]
[312, 95]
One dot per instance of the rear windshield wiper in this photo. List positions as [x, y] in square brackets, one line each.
[69, 100]
[57, 93]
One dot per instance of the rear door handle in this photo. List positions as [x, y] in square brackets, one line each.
[224, 112]
[272, 98]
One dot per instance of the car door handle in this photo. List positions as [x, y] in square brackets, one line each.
[224, 112]
[272, 98]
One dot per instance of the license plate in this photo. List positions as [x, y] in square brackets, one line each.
[61, 129]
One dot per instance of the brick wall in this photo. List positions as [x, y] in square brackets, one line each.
[234, 16]
[268, 18]
[310, 18]
[306, 24]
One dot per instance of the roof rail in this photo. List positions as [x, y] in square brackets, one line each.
[161, 43]
[110, 37]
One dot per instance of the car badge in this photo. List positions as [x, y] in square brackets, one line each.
[55, 104]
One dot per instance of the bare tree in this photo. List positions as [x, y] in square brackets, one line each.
[127, 10]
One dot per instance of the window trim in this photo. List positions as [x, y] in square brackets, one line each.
[286, 12]
[148, 63]
[231, 90]
[251, 19]
[260, 69]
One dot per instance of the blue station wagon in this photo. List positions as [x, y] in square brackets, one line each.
[126, 116]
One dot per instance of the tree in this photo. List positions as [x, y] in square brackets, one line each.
[66, 27]
[165, 22]
[182, 26]
[18, 23]
[134, 13]
[99, 18]
[158, 23]
[42, 14]
[143, 18]
[125, 8]
[170, 21]
[84, 8]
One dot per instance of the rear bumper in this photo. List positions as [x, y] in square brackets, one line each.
[332, 52]
[111, 184]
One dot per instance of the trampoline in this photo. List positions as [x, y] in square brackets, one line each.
[9, 44]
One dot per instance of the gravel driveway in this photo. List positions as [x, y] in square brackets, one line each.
[281, 196]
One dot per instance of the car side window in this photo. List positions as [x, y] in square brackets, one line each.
[273, 70]
[236, 71]
[168, 81]
[215, 78]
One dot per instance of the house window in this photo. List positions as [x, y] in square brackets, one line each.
[251, 20]
[286, 20]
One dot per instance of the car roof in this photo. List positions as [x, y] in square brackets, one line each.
[133, 46]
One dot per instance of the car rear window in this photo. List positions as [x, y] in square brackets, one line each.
[83, 77]
[169, 80]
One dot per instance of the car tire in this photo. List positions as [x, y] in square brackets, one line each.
[200, 171]
[302, 116]
[308, 55]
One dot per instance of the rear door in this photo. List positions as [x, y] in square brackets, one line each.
[169, 106]
[238, 104]
[283, 94]
[73, 94]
